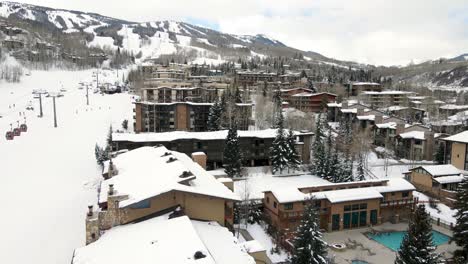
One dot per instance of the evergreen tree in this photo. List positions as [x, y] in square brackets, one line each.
[294, 159]
[440, 155]
[125, 124]
[279, 149]
[360, 169]
[328, 165]
[417, 246]
[232, 158]
[100, 155]
[109, 136]
[309, 247]
[319, 165]
[215, 117]
[460, 236]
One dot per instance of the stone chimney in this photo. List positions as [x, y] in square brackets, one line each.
[378, 119]
[111, 189]
[200, 158]
[400, 128]
[90, 210]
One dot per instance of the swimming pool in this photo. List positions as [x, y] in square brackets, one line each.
[359, 262]
[393, 240]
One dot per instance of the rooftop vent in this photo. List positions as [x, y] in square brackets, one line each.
[186, 174]
[171, 159]
[166, 154]
[199, 255]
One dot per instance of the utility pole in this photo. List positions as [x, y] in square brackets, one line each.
[55, 112]
[40, 93]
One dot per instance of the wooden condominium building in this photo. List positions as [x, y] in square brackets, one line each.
[342, 205]
[180, 116]
[165, 94]
[150, 181]
[456, 150]
[357, 88]
[311, 102]
[255, 144]
[439, 181]
[385, 98]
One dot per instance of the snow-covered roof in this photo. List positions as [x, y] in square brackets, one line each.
[210, 135]
[145, 172]
[291, 194]
[446, 123]
[390, 125]
[393, 108]
[307, 94]
[163, 240]
[413, 135]
[221, 244]
[349, 110]
[453, 107]
[449, 179]
[366, 117]
[365, 83]
[460, 137]
[387, 93]
[441, 170]
[334, 104]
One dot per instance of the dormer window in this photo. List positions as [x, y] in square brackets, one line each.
[171, 159]
[186, 174]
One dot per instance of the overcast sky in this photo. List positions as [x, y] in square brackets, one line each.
[383, 32]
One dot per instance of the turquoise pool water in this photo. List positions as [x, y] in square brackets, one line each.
[359, 262]
[392, 240]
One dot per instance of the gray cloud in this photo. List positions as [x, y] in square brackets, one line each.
[369, 31]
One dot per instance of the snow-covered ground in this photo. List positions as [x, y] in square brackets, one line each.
[445, 213]
[259, 233]
[49, 175]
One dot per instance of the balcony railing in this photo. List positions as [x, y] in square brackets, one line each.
[399, 202]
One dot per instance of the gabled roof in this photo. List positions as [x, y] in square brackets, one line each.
[146, 172]
[292, 194]
[163, 240]
[460, 137]
[440, 170]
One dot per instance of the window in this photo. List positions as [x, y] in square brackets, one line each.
[466, 156]
[141, 204]
[268, 200]
[393, 193]
[274, 204]
[355, 207]
[363, 206]
[347, 208]
[288, 206]
[405, 194]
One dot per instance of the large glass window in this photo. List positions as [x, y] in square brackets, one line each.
[363, 218]
[288, 206]
[347, 220]
[355, 219]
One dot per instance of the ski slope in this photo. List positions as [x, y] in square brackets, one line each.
[49, 175]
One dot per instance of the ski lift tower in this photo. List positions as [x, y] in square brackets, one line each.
[40, 92]
[53, 95]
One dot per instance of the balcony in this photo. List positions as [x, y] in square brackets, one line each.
[407, 201]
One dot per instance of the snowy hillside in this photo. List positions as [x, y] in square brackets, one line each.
[49, 175]
[151, 39]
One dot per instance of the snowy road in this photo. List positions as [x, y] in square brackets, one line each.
[49, 175]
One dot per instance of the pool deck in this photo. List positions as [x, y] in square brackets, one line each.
[359, 247]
